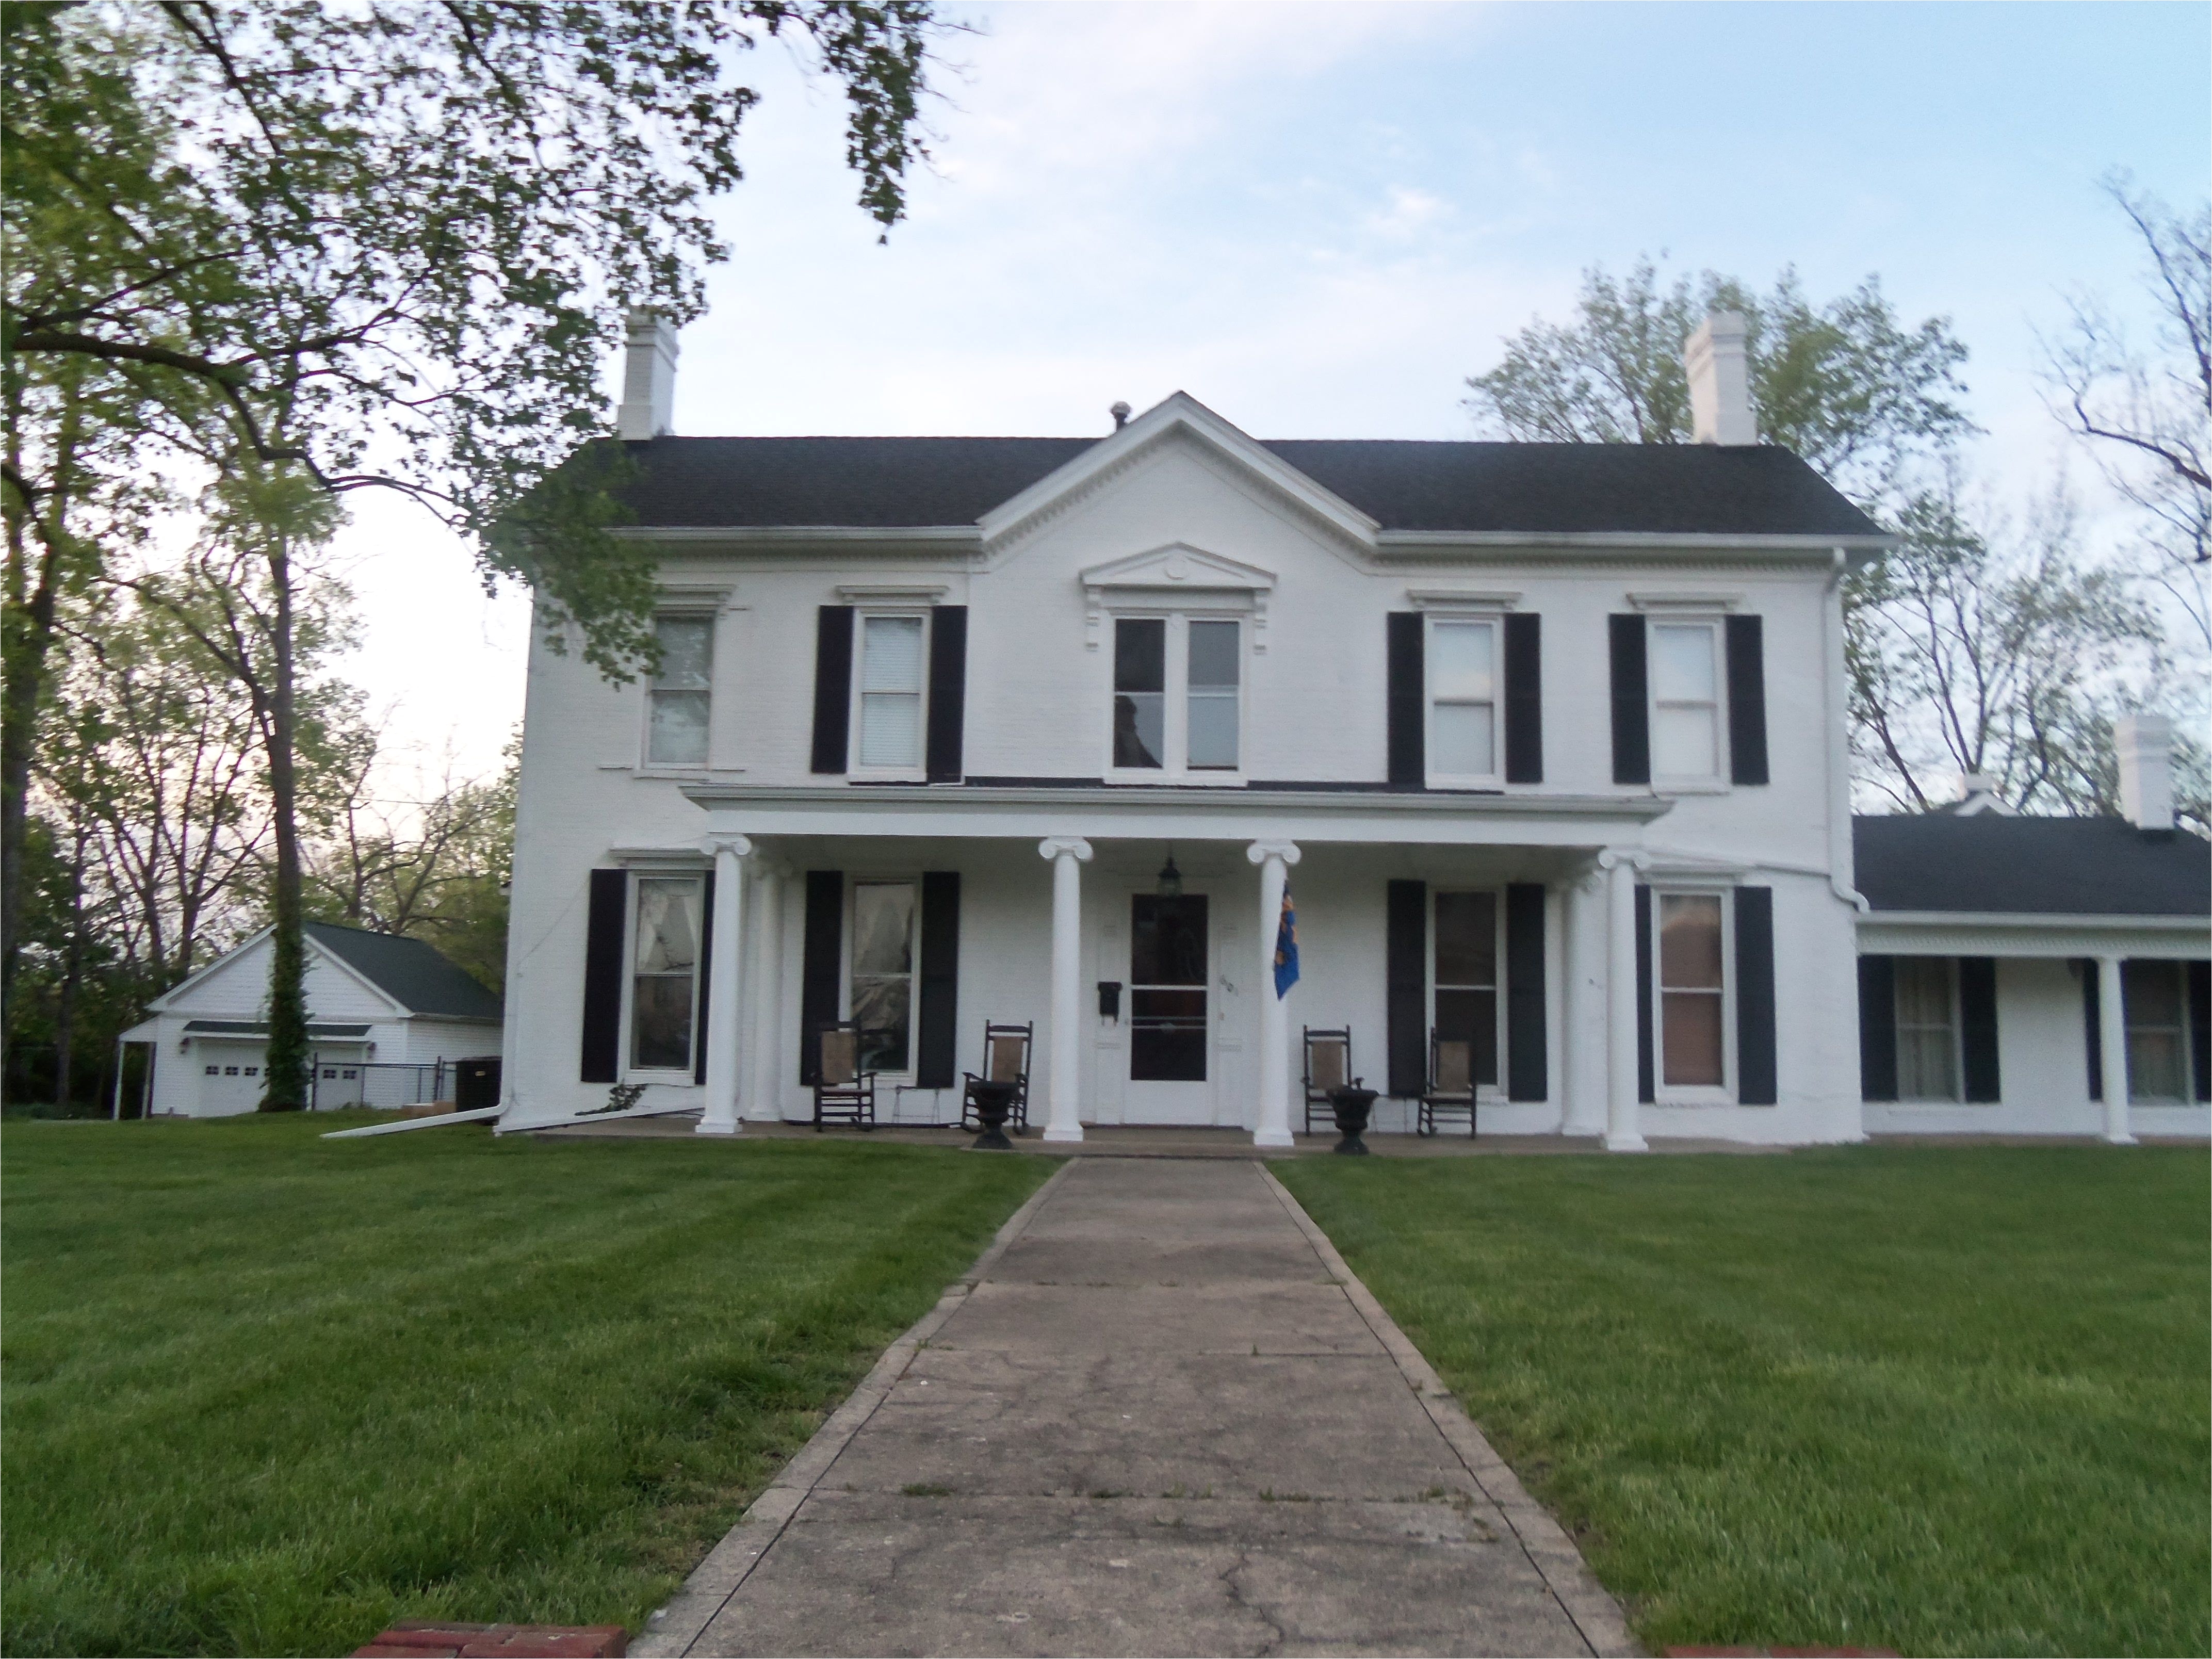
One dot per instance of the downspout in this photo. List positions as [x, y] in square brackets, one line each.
[1840, 874]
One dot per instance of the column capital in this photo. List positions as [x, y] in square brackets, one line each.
[1053, 847]
[1613, 857]
[735, 845]
[1260, 850]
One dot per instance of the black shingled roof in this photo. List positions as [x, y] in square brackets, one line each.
[1554, 489]
[411, 972]
[1990, 863]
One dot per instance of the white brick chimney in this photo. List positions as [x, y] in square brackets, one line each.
[1720, 381]
[648, 401]
[2145, 742]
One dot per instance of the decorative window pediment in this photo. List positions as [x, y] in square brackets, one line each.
[1181, 577]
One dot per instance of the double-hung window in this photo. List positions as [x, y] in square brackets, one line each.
[680, 695]
[1927, 1028]
[1463, 665]
[889, 675]
[1686, 704]
[1464, 982]
[881, 987]
[1693, 990]
[1178, 695]
[664, 980]
[2158, 1030]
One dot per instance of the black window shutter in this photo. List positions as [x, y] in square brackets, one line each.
[1747, 692]
[706, 976]
[2200, 1030]
[1409, 740]
[603, 960]
[948, 694]
[833, 685]
[1978, 1021]
[1878, 1028]
[940, 979]
[1524, 701]
[1526, 1064]
[1631, 714]
[1754, 997]
[1406, 953]
[2092, 1028]
[821, 958]
[1646, 1072]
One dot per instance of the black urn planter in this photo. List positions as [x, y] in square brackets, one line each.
[992, 1102]
[1352, 1107]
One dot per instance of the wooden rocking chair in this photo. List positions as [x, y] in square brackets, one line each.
[1328, 1065]
[1006, 1060]
[1450, 1092]
[843, 1093]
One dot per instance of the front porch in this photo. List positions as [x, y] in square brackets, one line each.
[1135, 930]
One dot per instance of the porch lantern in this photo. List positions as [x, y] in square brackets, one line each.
[1170, 880]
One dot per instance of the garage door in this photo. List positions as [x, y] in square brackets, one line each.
[230, 1079]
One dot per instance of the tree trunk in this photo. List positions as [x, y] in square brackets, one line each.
[72, 977]
[285, 1067]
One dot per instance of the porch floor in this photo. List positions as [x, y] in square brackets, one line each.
[1160, 1416]
[1119, 1140]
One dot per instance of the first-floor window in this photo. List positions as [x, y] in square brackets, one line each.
[2158, 1031]
[1465, 965]
[1927, 1028]
[664, 972]
[1692, 1014]
[882, 989]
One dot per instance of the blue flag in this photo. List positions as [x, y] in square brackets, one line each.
[1287, 946]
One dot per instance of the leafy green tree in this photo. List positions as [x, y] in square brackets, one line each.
[1864, 396]
[384, 246]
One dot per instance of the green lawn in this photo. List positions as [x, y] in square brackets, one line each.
[263, 1393]
[1939, 1399]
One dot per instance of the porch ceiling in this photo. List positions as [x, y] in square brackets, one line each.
[1135, 813]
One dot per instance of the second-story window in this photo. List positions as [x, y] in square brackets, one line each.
[890, 672]
[1178, 695]
[1686, 741]
[680, 694]
[1462, 657]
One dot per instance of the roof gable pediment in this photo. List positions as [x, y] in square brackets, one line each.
[1179, 419]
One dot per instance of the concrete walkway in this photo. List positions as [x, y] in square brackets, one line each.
[1161, 1417]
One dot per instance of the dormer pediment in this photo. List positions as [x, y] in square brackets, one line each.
[1179, 575]
[1178, 420]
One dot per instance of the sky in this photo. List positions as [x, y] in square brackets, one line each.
[1320, 219]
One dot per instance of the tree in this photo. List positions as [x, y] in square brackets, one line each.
[2144, 407]
[433, 868]
[1982, 650]
[382, 245]
[1866, 399]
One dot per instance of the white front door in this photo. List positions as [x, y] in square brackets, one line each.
[1171, 1008]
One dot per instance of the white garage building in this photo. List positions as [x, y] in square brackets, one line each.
[380, 1008]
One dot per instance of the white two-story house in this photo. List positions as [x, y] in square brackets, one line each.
[1546, 742]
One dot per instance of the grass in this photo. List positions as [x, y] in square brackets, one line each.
[265, 1394]
[1938, 1400]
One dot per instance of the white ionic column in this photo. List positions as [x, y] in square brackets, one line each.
[1274, 859]
[1067, 854]
[1623, 1133]
[1579, 1079]
[762, 1092]
[2112, 1035]
[723, 982]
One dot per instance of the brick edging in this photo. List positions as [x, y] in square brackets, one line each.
[1549, 1549]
